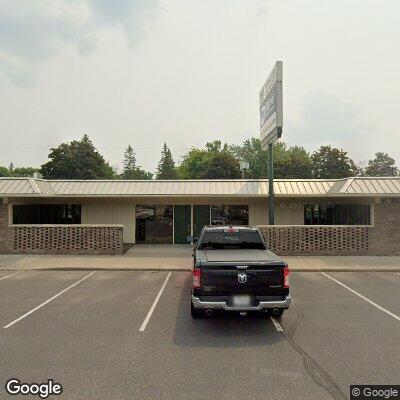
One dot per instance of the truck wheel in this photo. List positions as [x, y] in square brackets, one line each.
[194, 312]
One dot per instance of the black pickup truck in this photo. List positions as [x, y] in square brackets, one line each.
[234, 271]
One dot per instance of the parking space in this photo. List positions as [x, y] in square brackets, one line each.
[87, 336]
[346, 335]
[376, 286]
[222, 357]
[21, 292]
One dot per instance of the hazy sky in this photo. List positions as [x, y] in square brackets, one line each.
[189, 71]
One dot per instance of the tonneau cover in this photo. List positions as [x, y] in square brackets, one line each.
[239, 255]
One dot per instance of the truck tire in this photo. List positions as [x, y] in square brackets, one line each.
[194, 312]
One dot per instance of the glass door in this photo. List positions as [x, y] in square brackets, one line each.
[154, 224]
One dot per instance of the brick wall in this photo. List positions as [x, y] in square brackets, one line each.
[385, 235]
[4, 230]
[317, 240]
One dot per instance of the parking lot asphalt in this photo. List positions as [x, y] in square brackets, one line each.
[82, 329]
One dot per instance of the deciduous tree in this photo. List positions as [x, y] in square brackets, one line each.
[217, 161]
[381, 165]
[192, 164]
[24, 171]
[78, 159]
[221, 165]
[19, 172]
[4, 171]
[289, 162]
[330, 162]
[297, 164]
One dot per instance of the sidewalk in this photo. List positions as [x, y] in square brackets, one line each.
[344, 263]
[178, 258]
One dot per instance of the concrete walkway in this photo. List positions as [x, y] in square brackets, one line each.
[178, 258]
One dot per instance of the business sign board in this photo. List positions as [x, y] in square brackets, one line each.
[271, 110]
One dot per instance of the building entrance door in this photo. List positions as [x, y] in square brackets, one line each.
[182, 223]
[154, 224]
[201, 217]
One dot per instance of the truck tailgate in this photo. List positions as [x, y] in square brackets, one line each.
[266, 280]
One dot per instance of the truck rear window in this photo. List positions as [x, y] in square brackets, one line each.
[231, 240]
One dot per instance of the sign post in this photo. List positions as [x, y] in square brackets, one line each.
[271, 209]
[271, 122]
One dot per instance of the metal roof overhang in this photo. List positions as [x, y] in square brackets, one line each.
[205, 196]
[256, 188]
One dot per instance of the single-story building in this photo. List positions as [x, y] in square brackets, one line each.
[313, 216]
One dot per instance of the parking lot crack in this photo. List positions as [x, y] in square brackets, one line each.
[299, 318]
[317, 373]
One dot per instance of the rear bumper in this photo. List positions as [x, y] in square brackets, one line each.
[222, 305]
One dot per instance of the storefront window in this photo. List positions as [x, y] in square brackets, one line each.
[47, 214]
[154, 224]
[336, 214]
[230, 215]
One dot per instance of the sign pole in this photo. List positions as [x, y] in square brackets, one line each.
[271, 122]
[271, 183]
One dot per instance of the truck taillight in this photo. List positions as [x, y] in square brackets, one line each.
[196, 278]
[286, 274]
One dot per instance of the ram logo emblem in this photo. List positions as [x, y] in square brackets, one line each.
[242, 277]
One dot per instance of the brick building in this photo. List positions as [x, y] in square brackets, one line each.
[333, 216]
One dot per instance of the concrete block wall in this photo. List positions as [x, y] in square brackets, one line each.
[5, 241]
[67, 239]
[58, 239]
[316, 240]
[381, 239]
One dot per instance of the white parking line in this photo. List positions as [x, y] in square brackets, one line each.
[148, 316]
[363, 297]
[15, 273]
[46, 302]
[276, 324]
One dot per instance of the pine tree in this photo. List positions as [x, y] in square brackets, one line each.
[131, 170]
[129, 164]
[166, 167]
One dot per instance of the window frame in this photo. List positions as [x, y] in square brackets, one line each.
[229, 206]
[340, 214]
[76, 216]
